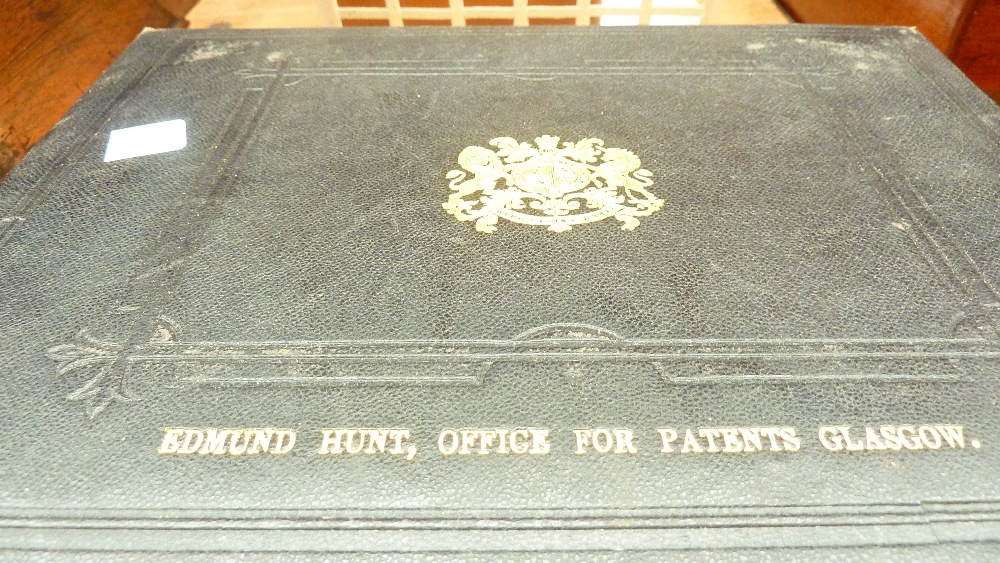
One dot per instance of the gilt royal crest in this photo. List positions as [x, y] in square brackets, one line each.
[550, 185]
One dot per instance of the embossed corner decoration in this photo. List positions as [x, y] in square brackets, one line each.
[550, 185]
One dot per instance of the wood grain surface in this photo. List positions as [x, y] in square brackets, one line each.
[51, 51]
[967, 31]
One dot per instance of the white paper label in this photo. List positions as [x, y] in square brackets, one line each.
[142, 140]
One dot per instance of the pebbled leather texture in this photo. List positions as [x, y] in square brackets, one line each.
[826, 255]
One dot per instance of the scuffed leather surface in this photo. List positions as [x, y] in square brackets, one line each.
[820, 184]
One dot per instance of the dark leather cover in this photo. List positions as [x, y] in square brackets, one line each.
[824, 257]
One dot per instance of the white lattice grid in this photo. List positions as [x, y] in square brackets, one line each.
[584, 12]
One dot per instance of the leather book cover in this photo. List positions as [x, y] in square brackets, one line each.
[723, 290]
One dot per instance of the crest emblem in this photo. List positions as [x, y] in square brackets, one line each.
[550, 185]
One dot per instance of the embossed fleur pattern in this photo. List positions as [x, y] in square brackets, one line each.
[548, 185]
[95, 360]
[105, 367]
